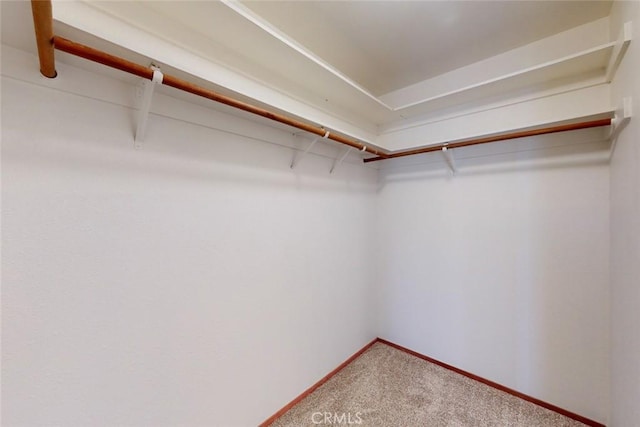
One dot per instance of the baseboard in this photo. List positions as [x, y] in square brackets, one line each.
[311, 389]
[485, 381]
[495, 385]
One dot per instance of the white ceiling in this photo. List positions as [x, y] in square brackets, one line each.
[387, 45]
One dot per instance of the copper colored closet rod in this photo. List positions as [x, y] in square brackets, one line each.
[495, 138]
[47, 41]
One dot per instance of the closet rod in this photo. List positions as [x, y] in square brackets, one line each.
[43, 24]
[503, 137]
[104, 58]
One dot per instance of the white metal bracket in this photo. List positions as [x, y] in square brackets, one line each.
[145, 106]
[622, 117]
[619, 49]
[339, 160]
[448, 156]
[297, 158]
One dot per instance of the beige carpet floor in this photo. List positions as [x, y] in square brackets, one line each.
[388, 387]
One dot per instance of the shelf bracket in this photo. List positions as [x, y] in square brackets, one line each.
[339, 160]
[451, 161]
[623, 115]
[297, 158]
[145, 106]
[619, 49]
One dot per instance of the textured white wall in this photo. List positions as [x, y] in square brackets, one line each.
[198, 281]
[625, 233]
[175, 284]
[502, 270]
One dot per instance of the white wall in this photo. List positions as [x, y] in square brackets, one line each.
[625, 234]
[177, 283]
[502, 270]
[198, 281]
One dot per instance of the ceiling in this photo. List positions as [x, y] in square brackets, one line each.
[387, 45]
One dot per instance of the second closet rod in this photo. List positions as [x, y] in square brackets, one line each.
[494, 138]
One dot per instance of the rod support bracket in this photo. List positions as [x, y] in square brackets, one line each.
[297, 158]
[337, 162]
[448, 156]
[145, 105]
[622, 116]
